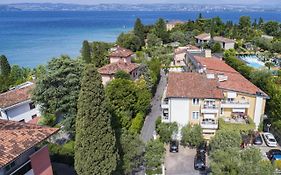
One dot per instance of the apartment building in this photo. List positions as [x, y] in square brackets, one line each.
[16, 104]
[208, 91]
[22, 151]
[225, 43]
[192, 98]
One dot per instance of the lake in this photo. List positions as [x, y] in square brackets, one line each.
[32, 38]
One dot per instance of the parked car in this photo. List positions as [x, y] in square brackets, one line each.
[272, 153]
[200, 161]
[174, 146]
[202, 148]
[269, 139]
[257, 139]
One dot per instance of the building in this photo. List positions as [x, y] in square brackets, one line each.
[172, 24]
[16, 104]
[108, 71]
[120, 59]
[180, 53]
[192, 98]
[119, 53]
[224, 42]
[203, 38]
[210, 90]
[240, 95]
[22, 152]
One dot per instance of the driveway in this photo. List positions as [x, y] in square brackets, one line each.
[149, 123]
[181, 163]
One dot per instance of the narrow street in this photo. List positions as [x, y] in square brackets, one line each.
[149, 123]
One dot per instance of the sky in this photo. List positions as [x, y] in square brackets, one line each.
[260, 2]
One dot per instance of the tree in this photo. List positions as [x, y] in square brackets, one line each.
[4, 66]
[216, 47]
[153, 40]
[234, 161]
[95, 143]
[86, 52]
[160, 30]
[269, 65]
[122, 75]
[57, 91]
[154, 154]
[131, 152]
[225, 139]
[178, 36]
[137, 123]
[99, 53]
[129, 41]
[166, 131]
[192, 135]
[271, 28]
[139, 30]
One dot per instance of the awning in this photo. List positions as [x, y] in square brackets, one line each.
[209, 116]
[238, 110]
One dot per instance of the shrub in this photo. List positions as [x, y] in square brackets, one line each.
[166, 130]
[137, 123]
[191, 136]
[277, 164]
[48, 119]
[225, 139]
[62, 153]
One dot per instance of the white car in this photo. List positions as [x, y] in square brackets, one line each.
[269, 139]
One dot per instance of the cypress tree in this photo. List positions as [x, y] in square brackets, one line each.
[161, 31]
[95, 144]
[139, 30]
[4, 66]
[86, 52]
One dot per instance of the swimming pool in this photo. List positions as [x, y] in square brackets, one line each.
[252, 61]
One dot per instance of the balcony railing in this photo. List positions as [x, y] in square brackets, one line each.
[235, 104]
[209, 109]
[209, 125]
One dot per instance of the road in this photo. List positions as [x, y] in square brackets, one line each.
[149, 123]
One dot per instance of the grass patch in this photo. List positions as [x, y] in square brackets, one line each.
[236, 126]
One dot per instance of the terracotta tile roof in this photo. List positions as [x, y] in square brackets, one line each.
[222, 39]
[235, 81]
[203, 36]
[120, 52]
[192, 85]
[112, 68]
[15, 96]
[17, 137]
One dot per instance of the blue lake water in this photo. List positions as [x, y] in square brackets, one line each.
[33, 38]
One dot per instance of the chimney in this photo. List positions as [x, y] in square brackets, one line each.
[208, 53]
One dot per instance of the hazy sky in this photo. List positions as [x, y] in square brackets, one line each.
[265, 2]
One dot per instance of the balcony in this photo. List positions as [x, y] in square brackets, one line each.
[235, 104]
[209, 124]
[209, 109]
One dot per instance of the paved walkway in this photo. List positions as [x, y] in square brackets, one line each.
[149, 123]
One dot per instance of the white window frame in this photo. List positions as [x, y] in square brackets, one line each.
[195, 101]
[198, 115]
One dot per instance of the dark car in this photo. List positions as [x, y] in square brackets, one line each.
[202, 148]
[273, 152]
[200, 161]
[257, 140]
[174, 146]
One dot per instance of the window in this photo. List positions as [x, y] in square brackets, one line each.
[195, 101]
[195, 115]
[22, 120]
[221, 111]
[165, 114]
[10, 166]
[31, 105]
[35, 115]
